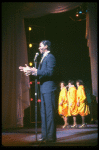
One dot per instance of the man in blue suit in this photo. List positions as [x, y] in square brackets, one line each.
[46, 72]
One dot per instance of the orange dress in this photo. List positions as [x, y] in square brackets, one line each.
[63, 109]
[83, 108]
[72, 101]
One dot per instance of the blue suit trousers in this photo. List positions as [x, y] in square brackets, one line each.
[48, 116]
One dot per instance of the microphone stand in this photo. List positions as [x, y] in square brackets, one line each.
[35, 62]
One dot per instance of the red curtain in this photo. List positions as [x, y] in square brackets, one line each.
[15, 86]
[91, 35]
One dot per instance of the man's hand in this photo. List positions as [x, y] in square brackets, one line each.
[34, 71]
[26, 69]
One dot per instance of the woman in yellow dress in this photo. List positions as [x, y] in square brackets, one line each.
[72, 102]
[83, 108]
[62, 103]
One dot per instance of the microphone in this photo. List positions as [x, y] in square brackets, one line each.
[36, 56]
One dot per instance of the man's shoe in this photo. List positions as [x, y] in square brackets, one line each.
[50, 141]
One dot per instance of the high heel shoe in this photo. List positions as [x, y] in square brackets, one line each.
[83, 125]
[65, 125]
[74, 126]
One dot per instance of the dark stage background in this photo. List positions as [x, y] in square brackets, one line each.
[68, 44]
[69, 47]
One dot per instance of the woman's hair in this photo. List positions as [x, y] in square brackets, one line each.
[47, 42]
[80, 82]
[71, 81]
[63, 83]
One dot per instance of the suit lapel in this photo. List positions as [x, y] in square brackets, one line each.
[40, 64]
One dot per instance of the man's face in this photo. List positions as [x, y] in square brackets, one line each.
[42, 48]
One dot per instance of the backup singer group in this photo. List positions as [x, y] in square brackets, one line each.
[73, 101]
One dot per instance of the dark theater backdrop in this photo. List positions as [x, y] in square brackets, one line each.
[69, 47]
[74, 44]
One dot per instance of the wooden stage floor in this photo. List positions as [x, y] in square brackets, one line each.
[65, 137]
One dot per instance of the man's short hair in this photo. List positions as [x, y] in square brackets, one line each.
[46, 42]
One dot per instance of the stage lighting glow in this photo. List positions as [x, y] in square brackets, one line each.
[80, 12]
[30, 28]
[77, 15]
[38, 82]
[30, 64]
[30, 45]
[39, 100]
[30, 82]
[31, 99]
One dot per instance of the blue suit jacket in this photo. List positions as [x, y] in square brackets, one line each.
[47, 74]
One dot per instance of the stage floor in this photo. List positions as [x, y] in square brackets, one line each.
[65, 137]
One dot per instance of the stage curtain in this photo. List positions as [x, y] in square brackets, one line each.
[15, 86]
[91, 36]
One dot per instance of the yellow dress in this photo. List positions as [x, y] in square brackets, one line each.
[63, 109]
[72, 101]
[83, 108]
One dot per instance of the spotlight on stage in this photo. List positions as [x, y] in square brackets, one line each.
[39, 100]
[30, 28]
[30, 45]
[31, 99]
[30, 82]
[30, 64]
[79, 13]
